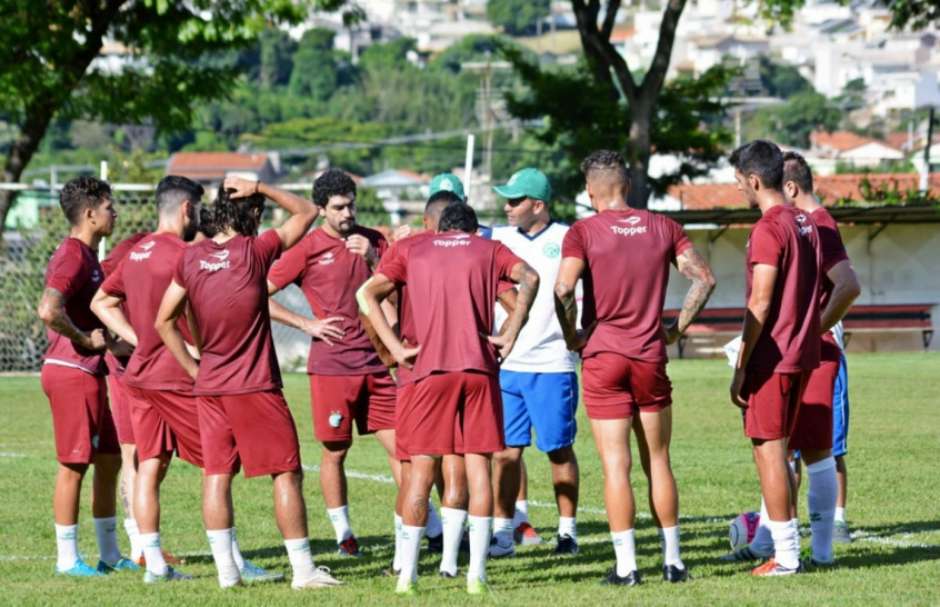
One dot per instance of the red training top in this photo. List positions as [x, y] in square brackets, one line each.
[833, 252]
[110, 264]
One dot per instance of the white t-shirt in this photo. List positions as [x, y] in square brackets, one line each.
[540, 347]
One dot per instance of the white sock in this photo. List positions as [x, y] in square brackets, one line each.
[821, 499]
[220, 542]
[410, 552]
[66, 541]
[762, 544]
[567, 525]
[786, 536]
[153, 553]
[453, 521]
[670, 536]
[133, 536]
[236, 551]
[625, 550]
[301, 560]
[479, 546]
[340, 519]
[396, 560]
[106, 532]
[522, 513]
[434, 527]
[502, 529]
[840, 514]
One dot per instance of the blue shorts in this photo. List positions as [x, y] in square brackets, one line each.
[544, 401]
[840, 411]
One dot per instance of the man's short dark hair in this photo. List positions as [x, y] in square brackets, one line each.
[607, 161]
[460, 217]
[796, 169]
[762, 158]
[333, 182]
[174, 190]
[243, 215]
[82, 193]
[444, 196]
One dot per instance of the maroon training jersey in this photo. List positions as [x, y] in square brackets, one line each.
[458, 278]
[226, 285]
[833, 252]
[786, 238]
[109, 265]
[627, 255]
[74, 272]
[141, 280]
[329, 276]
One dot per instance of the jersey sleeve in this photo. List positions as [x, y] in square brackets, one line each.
[831, 247]
[290, 267]
[765, 247]
[179, 274]
[268, 247]
[573, 244]
[680, 240]
[114, 283]
[504, 285]
[393, 265]
[67, 272]
[506, 260]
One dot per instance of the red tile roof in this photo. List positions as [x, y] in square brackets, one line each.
[842, 141]
[213, 165]
[622, 34]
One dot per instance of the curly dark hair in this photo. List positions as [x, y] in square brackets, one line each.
[82, 193]
[243, 215]
[333, 182]
[206, 225]
[762, 158]
[606, 161]
[460, 217]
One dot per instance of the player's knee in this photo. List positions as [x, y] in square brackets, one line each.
[335, 451]
[507, 457]
[565, 455]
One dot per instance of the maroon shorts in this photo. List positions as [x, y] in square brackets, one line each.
[453, 413]
[405, 392]
[338, 400]
[617, 387]
[120, 410]
[81, 419]
[773, 401]
[253, 430]
[813, 428]
[165, 422]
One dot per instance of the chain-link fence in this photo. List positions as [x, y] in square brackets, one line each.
[41, 227]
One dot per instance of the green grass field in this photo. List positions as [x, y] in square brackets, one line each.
[894, 510]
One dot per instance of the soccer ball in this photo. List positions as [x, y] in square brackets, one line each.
[742, 529]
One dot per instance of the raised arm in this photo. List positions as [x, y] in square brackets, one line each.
[370, 297]
[52, 313]
[694, 267]
[108, 308]
[302, 211]
[566, 303]
[527, 280]
[758, 308]
[845, 290]
[172, 305]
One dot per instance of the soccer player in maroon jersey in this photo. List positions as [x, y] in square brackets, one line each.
[623, 256]
[780, 337]
[349, 385]
[243, 417]
[454, 407]
[73, 379]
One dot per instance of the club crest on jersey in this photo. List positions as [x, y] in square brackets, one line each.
[96, 276]
[551, 250]
[457, 240]
[804, 229]
[221, 262]
[147, 251]
[326, 259]
[633, 230]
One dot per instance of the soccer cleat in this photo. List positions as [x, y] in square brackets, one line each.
[122, 564]
[840, 533]
[169, 558]
[79, 569]
[447, 575]
[526, 535]
[742, 555]
[171, 575]
[408, 588]
[771, 568]
[477, 586]
[674, 575]
[253, 574]
[565, 544]
[816, 564]
[612, 579]
[436, 544]
[322, 578]
[349, 547]
[501, 546]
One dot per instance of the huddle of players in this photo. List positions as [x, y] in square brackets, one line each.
[203, 380]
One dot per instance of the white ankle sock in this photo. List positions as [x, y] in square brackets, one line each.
[106, 532]
[396, 560]
[479, 546]
[453, 521]
[153, 553]
[625, 550]
[762, 544]
[670, 537]
[340, 519]
[840, 514]
[567, 525]
[236, 551]
[66, 541]
[410, 553]
[220, 542]
[823, 488]
[133, 536]
[521, 514]
[301, 561]
[434, 527]
[786, 536]
[502, 529]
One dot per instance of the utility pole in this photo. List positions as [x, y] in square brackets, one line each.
[925, 176]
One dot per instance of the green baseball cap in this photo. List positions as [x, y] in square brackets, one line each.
[527, 182]
[447, 182]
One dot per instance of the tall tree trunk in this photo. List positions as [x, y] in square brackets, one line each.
[638, 154]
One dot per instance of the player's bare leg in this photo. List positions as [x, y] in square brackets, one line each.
[65, 503]
[334, 488]
[219, 518]
[507, 472]
[454, 502]
[104, 508]
[841, 528]
[421, 476]
[776, 481]
[150, 475]
[612, 438]
[480, 517]
[126, 488]
[386, 438]
[566, 482]
[822, 498]
[653, 431]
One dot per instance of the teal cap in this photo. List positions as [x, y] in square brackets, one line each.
[527, 182]
[447, 182]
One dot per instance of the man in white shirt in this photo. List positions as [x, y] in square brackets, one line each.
[538, 381]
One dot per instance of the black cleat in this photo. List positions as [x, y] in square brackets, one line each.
[436, 544]
[565, 544]
[612, 579]
[673, 574]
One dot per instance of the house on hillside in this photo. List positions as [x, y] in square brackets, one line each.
[210, 168]
[857, 150]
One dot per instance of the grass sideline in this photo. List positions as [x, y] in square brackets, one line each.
[894, 505]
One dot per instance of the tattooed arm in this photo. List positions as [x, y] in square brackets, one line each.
[566, 304]
[52, 312]
[696, 269]
[528, 281]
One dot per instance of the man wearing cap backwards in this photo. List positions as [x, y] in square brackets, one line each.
[538, 381]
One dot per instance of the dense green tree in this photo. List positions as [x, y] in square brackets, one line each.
[315, 69]
[781, 80]
[517, 16]
[791, 123]
[276, 50]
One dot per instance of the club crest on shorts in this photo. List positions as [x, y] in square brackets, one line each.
[336, 418]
